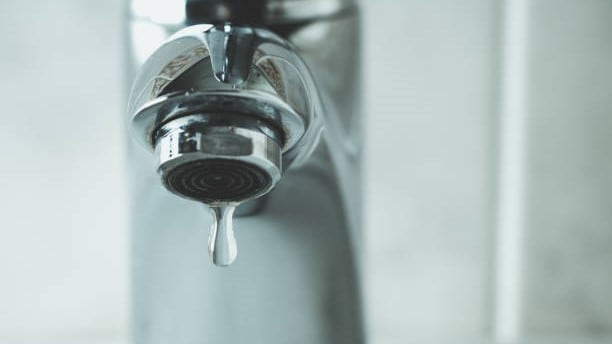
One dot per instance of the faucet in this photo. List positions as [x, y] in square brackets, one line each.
[250, 109]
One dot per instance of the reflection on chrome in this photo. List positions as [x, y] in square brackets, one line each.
[233, 98]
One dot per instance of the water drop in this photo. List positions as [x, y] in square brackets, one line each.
[221, 242]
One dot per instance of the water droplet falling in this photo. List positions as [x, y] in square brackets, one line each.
[221, 242]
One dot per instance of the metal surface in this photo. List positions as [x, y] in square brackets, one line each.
[253, 12]
[218, 163]
[228, 69]
[297, 279]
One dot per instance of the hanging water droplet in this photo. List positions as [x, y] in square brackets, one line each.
[221, 242]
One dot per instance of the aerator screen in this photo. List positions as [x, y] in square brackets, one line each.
[217, 180]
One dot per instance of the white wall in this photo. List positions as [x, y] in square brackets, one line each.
[454, 226]
[568, 248]
[63, 247]
[429, 67]
[433, 82]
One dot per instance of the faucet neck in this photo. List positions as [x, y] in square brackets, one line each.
[239, 12]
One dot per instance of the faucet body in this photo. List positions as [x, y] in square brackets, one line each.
[297, 279]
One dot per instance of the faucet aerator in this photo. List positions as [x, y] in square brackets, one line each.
[219, 159]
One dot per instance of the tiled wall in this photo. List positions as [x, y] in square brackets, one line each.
[568, 260]
[431, 104]
[433, 76]
[63, 247]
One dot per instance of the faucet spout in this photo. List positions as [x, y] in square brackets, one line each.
[230, 102]
[231, 52]
[221, 107]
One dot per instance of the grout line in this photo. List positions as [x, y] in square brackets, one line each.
[510, 213]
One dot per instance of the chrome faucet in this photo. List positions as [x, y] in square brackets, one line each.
[232, 97]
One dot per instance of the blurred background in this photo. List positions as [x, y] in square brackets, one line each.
[489, 171]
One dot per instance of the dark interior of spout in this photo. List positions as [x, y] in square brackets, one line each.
[217, 180]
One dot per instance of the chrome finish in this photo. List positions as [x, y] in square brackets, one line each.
[232, 72]
[267, 12]
[206, 68]
[273, 78]
[197, 139]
